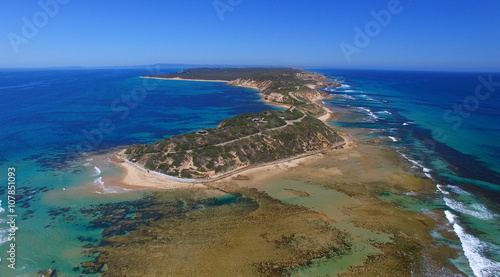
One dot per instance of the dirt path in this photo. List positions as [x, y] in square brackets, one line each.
[239, 170]
[288, 123]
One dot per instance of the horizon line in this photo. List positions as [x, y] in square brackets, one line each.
[194, 65]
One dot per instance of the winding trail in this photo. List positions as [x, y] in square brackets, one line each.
[288, 123]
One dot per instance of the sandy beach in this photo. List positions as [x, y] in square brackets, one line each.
[137, 177]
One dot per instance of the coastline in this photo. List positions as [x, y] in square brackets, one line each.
[134, 173]
[262, 98]
[182, 79]
[140, 178]
[137, 176]
[386, 238]
[367, 169]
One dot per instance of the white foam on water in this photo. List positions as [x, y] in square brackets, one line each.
[97, 171]
[369, 112]
[393, 138]
[1, 209]
[87, 164]
[441, 189]
[347, 96]
[368, 97]
[457, 190]
[472, 246]
[406, 124]
[429, 176]
[416, 163]
[100, 184]
[3, 239]
[102, 189]
[384, 112]
[98, 181]
[344, 86]
[476, 210]
[4, 233]
[113, 189]
[449, 216]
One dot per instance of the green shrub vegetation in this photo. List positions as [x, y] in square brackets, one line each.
[262, 142]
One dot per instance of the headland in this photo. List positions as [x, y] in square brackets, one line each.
[295, 207]
[248, 140]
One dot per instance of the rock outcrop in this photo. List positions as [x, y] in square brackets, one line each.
[47, 273]
[249, 83]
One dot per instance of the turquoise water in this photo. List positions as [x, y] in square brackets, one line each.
[449, 133]
[52, 121]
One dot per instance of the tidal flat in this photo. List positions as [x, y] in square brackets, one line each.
[325, 216]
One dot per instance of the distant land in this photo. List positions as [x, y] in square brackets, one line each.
[247, 139]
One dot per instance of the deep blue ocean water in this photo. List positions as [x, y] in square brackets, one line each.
[447, 125]
[51, 120]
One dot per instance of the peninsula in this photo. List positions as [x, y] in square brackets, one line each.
[248, 139]
[283, 87]
[262, 195]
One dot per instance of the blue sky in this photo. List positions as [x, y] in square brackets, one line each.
[429, 35]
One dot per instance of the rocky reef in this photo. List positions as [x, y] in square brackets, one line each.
[190, 233]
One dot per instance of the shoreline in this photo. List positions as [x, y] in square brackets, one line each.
[182, 79]
[139, 177]
[262, 99]
[134, 173]
[355, 170]
[351, 175]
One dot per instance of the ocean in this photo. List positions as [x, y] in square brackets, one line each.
[54, 121]
[446, 125]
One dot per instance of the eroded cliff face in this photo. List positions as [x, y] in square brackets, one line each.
[276, 97]
[304, 75]
[262, 86]
[292, 93]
